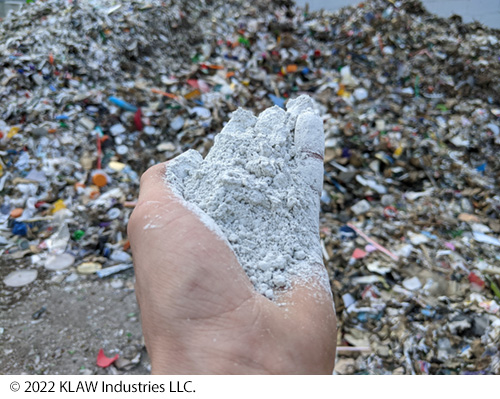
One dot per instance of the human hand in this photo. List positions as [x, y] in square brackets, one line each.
[200, 312]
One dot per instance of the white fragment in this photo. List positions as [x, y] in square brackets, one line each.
[361, 207]
[412, 283]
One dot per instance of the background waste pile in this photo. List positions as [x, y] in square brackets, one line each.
[93, 93]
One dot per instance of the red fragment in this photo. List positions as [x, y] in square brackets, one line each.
[390, 212]
[104, 361]
[475, 279]
[359, 254]
[193, 83]
[317, 53]
[138, 120]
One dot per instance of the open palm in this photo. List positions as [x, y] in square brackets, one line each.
[201, 314]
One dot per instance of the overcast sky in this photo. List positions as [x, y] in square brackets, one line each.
[485, 11]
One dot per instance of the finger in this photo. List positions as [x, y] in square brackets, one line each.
[155, 206]
[180, 168]
[274, 118]
[150, 188]
[309, 135]
[240, 121]
[309, 139]
[239, 130]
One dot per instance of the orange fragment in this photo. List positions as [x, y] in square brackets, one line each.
[94, 193]
[164, 93]
[99, 179]
[192, 94]
[126, 245]
[16, 212]
[291, 68]
[229, 74]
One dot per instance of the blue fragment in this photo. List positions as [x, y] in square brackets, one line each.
[362, 317]
[20, 229]
[346, 233]
[389, 158]
[369, 17]
[280, 102]
[430, 235]
[123, 104]
[482, 167]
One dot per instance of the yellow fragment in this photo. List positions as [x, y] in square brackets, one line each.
[13, 131]
[58, 205]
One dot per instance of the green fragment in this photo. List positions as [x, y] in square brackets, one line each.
[62, 124]
[196, 58]
[131, 314]
[493, 286]
[71, 352]
[129, 334]
[456, 233]
[244, 41]
[384, 283]
[30, 1]
[82, 368]
[103, 36]
[78, 234]
[441, 107]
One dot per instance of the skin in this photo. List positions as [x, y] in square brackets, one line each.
[199, 311]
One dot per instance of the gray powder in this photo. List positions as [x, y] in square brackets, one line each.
[258, 189]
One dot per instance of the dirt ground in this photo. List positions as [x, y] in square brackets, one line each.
[82, 314]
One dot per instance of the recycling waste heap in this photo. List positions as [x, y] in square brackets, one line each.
[92, 93]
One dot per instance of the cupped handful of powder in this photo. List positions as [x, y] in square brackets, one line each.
[258, 189]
